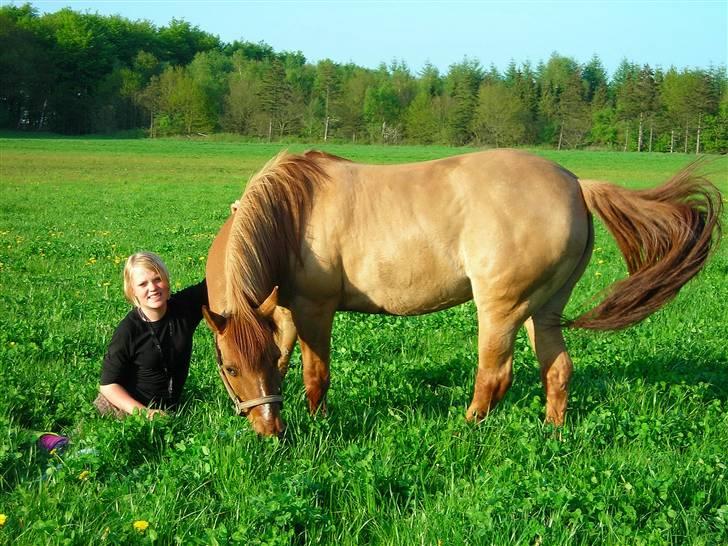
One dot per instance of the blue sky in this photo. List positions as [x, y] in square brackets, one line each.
[661, 33]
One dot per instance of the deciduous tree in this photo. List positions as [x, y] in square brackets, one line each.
[500, 117]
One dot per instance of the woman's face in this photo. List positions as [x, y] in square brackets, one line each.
[151, 292]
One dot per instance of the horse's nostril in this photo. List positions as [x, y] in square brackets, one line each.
[281, 426]
[269, 427]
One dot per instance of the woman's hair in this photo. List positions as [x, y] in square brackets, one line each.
[147, 260]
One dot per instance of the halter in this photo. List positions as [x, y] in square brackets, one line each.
[242, 406]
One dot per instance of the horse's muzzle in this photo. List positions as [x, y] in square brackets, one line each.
[268, 428]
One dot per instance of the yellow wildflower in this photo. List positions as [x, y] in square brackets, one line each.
[83, 476]
[3, 519]
[141, 525]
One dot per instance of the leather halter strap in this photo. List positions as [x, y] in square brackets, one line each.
[243, 406]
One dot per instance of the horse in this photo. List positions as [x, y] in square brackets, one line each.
[316, 234]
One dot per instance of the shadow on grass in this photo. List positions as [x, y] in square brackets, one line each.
[709, 371]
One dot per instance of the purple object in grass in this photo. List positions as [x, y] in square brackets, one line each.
[50, 441]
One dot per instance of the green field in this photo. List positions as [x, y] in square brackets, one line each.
[641, 460]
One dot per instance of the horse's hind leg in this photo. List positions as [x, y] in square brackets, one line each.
[495, 362]
[547, 341]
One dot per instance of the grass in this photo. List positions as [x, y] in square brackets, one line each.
[641, 459]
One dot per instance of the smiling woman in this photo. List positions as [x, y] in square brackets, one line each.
[146, 285]
[148, 360]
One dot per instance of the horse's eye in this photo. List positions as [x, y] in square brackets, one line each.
[231, 371]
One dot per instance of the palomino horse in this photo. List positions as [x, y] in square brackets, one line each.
[316, 234]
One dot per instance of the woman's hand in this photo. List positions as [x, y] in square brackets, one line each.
[152, 413]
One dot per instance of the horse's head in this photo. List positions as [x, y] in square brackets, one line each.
[248, 363]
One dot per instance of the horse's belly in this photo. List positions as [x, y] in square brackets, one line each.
[404, 283]
[406, 302]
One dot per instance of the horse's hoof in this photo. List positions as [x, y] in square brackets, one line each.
[474, 415]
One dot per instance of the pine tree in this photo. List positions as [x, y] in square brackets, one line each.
[275, 94]
[463, 81]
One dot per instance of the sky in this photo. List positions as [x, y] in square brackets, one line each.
[661, 33]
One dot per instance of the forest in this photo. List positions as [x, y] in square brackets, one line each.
[82, 73]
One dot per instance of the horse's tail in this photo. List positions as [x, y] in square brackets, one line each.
[665, 234]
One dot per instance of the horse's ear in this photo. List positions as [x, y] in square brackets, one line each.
[217, 323]
[268, 307]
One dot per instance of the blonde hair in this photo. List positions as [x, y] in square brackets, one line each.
[147, 260]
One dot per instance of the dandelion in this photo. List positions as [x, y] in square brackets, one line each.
[3, 519]
[141, 525]
[598, 274]
[202, 258]
[83, 476]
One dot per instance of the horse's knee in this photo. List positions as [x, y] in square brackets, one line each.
[556, 377]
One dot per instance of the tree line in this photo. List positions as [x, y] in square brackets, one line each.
[81, 73]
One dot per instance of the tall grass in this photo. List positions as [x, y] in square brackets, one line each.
[641, 459]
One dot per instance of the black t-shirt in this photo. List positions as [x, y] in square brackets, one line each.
[154, 371]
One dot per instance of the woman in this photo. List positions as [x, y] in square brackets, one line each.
[148, 359]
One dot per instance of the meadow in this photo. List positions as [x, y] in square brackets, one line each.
[641, 459]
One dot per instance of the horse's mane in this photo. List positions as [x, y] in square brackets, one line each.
[265, 234]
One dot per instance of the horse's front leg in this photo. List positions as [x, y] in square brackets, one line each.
[285, 337]
[313, 321]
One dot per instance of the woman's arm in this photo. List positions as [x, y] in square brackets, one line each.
[119, 397]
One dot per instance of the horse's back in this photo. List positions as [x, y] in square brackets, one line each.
[409, 239]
